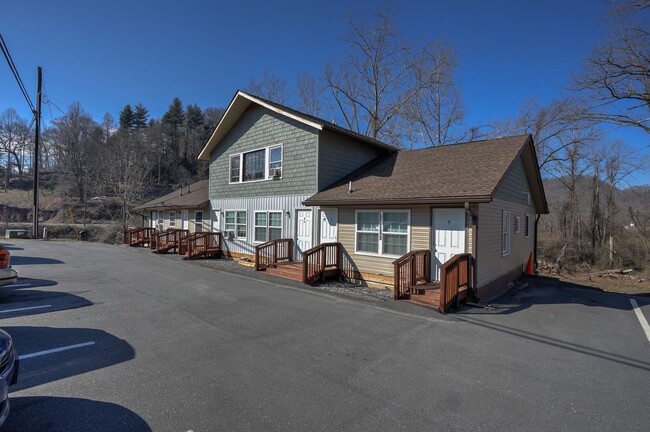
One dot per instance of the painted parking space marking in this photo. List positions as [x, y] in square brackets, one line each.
[24, 309]
[54, 350]
[644, 323]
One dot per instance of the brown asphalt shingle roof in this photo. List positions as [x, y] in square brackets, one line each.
[193, 196]
[458, 172]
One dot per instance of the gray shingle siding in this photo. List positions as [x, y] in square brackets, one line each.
[339, 155]
[261, 128]
[515, 184]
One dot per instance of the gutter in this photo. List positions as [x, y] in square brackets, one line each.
[413, 201]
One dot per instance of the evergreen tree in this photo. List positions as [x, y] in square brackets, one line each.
[127, 119]
[140, 117]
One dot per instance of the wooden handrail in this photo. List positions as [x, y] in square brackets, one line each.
[409, 269]
[455, 274]
[269, 253]
[136, 236]
[168, 239]
[318, 259]
[183, 242]
[204, 244]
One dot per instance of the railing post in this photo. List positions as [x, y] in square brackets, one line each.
[257, 258]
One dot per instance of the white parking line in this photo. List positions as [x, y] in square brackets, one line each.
[54, 350]
[25, 308]
[642, 320]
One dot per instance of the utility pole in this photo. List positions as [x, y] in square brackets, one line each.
[37, 156]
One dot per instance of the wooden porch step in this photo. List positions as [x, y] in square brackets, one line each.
[291, 271]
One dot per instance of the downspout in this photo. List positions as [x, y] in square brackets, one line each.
[535, 267]
[474, 217]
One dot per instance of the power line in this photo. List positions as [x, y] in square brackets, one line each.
[14, 70]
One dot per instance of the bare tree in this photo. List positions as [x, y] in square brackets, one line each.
[269, 87]
[617, 74]
[75, 137]
[436, 111]
[372, 84]
[310, 92]
[14, 137]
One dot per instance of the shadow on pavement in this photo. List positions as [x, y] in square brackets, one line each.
[23, 299]
[546, 290]
[104, 350]
[21, 260]
[11, 247]
[40, 413]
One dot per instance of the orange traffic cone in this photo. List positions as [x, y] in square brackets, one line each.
[529, 267]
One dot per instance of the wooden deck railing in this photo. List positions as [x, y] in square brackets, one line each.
[318, 260]
[168, 239]
[269, 253]
[204, 244]
[455, 274]
[409, 269]
[183, 242]
[138, 236]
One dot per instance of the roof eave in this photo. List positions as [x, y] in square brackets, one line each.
[399, 201]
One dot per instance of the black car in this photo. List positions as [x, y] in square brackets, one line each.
[8, 372]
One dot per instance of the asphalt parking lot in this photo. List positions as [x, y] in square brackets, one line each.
[117, 339]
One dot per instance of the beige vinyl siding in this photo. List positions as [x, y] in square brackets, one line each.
[490, 263]
[377, 265]
[179, 218]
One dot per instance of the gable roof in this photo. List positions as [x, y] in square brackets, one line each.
[457, 173]
[192, 196]
[242, 101]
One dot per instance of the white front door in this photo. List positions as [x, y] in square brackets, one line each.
[449, 236]
[328, 228]
[214, 220]
[303, 232]
[186, 219]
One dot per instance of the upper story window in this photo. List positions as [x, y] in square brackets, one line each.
[261, 164]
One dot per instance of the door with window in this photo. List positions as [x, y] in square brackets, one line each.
[328, 222]
[303, 232]
[214, 220]
[185, 215]
[449, 237]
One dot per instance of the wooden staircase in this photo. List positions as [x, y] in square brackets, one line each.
[288, 270]
[427, 294]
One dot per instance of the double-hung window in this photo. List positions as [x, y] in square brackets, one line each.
[235, 168]
[268, 225]
[161, 219]
[198, 221]
[236, 222]
[261, 164]
[505, 237]
[382, 232]
[172, 219]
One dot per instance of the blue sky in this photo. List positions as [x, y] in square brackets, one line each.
[108, 54]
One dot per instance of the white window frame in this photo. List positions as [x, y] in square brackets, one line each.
[196, 223]
[230, 159]
[161, 219]
[172, 219]
[267, 163]
[266, 226]
[505, 233]
[527, 227]
[235, 225]
[517, 224]
[380, 245]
